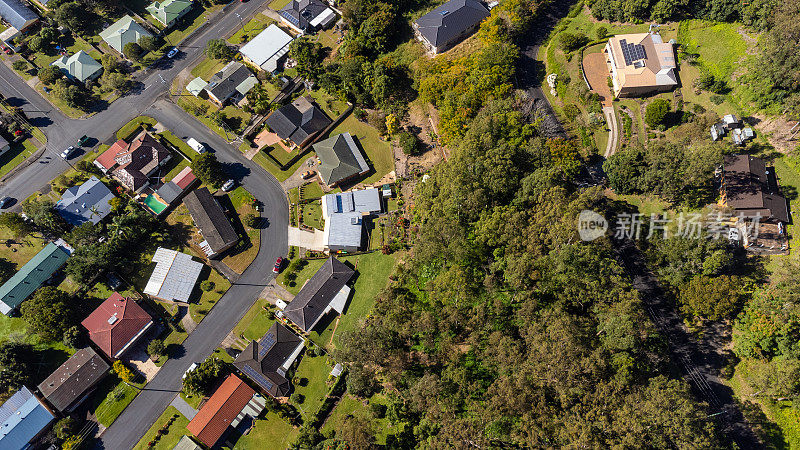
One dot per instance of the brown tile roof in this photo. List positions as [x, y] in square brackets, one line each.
[220, 410]
[211, 220]
[749, 189]
[74, 378]
[108, 158]
[139, 159]
[115, 323]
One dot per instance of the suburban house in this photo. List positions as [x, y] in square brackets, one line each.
[79, 67]
[117, 324]
[266, 50]
[234, 81]
[122, 32]
[88, 202]
[449, 24]
[24, 419]
[31, 276]
[326, 291]
[306, 16]
[174, 277]
[751, 189]
[70, 384]
[231, 403]
[169, 11]
[43, 4]
[267, 360]
[340, 159]
[174, 189]
[17, 15]
[134, 163]
[210, 219]
[344, 216]
[298, 122]
[640, 64]
[4, 145]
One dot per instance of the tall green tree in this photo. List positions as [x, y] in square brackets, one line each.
[49, 313]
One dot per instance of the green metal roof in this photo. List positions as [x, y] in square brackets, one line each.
[31, 276]
[169, 10]
[79, 66]
[123, 31]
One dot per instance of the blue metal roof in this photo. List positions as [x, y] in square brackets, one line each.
[23, 417]
[16, 13]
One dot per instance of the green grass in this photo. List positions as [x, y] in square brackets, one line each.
[207, 67]
[719, 45]
[129, 128]
[351, 406]
[379, 152]
[280, 154]
[316, 371]
[267, 164]
[15, 155]
[255, 322]
[302, 276]
[312, 215]
[173, 434]
[110, 407]
[251, 29]
[269, 432]
[312, 190]
[278, 4]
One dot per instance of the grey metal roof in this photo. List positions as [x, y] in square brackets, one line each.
[340, 158]
[85, 203]
[22, 417]
[450, 20]
[301, 13]
[312, 300]
[169, 191]
[267, 47]
[344, 231]
[174, 277]
[72, 379]
[16, 13]
[223, 84]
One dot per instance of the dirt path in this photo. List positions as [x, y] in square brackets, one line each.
[700, 360]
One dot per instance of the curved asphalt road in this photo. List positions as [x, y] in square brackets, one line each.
[152, 99]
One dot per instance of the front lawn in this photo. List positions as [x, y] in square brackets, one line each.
[173, 425]
[250, 30]
[245, 251]
[113, 396]
[15, 155]
[269, 432]
[129, 128]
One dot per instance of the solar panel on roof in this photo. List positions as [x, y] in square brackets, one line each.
[265, 344]
[258, 378]
[632, 52]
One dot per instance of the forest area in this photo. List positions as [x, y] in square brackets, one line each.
[503, 329]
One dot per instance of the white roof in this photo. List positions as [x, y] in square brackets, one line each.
[174, 276]
[267, 48]
[324, 18]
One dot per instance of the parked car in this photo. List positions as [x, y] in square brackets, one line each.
[68, 152]
[191, 368]
[228, 185]
[308, 174]
[83, 139]
[4, 202]
[278, 264]
[196, 146]
[7, 50]
[172, 52]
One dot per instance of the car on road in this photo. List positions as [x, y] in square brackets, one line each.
[278, 264]
[83, 139]
[4, 202]
[172, 53]
[228, 185]
[68, 152]
[308, 174]
[196, 146]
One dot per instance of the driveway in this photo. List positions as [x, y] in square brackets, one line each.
[594, 66]
[307, 239]
[138, 359]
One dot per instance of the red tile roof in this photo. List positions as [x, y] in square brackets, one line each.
[115, 323]
[184, 178]
[220, 410]
[107, 159]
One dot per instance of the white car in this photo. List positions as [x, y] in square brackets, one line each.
[67, 152]
[228, 185]
[196, 146]
[172, 53]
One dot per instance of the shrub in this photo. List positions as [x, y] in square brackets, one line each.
[207, 285]
[251, 220]
[20, 65]
[378, 410]
[298, 398]
[132, 51]
[122, 371]
[409, 143]
[717, 99]
[601, 32]
[156, 348]
[49, 75]
[657, 112]
[571, 111]
[572, 41]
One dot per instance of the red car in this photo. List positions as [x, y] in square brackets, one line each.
[6, 50]
[278, 265]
